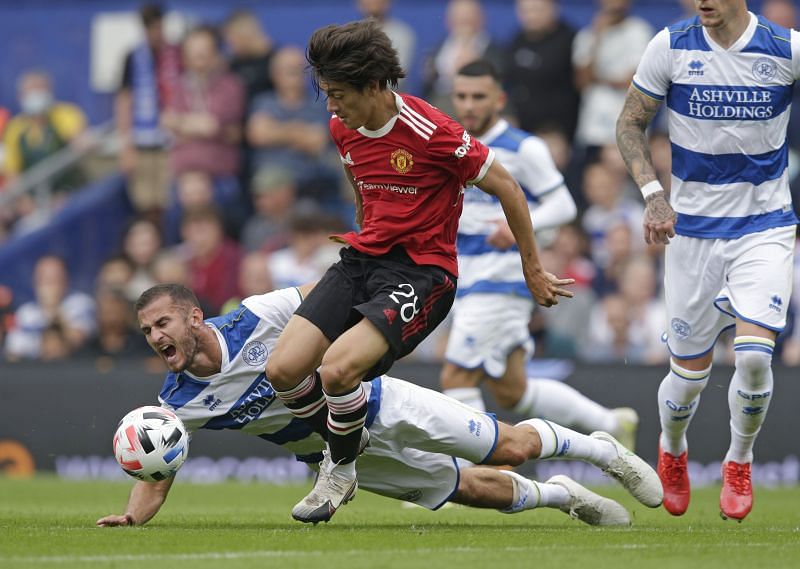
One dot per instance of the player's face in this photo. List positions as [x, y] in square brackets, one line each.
[353, 107]
[478, 102]
[171, 332]
[716, 13]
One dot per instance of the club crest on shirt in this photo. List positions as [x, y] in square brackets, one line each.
[254, 353]
[402, 161]
[764, 69]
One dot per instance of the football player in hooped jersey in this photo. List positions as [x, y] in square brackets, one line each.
[217, 381]
[490, 337]
[727, 78]
[408, 164]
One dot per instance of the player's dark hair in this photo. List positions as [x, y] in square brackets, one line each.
[179, 294]
[356, 54]
[480, 68]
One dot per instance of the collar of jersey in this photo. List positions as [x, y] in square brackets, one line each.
[497, 129]
[740, 43]
[384, 130]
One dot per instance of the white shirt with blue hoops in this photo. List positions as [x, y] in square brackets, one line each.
[728, 111]
[483, 268]
[240, 397]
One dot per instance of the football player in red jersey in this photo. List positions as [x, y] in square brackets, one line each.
[408, 163]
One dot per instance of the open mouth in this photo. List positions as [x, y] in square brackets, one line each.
[169, 352]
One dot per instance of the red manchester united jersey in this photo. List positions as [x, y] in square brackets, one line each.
[411, 174]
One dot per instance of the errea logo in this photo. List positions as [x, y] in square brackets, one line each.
[462, 150]
[696, 68]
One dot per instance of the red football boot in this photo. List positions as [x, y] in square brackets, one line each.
[674, 475]
[736, 499]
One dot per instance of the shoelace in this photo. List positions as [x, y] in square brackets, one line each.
[674, 469]
[738, 477]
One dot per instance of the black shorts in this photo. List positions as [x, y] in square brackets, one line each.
[405, 301]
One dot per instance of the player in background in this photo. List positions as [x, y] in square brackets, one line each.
[727, 77]
[489, 338]
[216, 381]
[408, 163]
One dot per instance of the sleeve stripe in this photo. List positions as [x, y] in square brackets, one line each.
[644, 91]
[485, 168]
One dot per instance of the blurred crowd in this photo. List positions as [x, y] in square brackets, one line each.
[237, 186]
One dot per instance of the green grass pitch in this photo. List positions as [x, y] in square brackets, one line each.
[46, 522]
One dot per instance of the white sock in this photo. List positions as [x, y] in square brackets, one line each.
[467, 395]
[749, 394]
[678, 397]
[529, 494]
[564, 443]
[557, 401]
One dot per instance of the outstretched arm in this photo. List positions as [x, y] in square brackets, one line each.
[544, 287]
[638, 112]
[144, 502]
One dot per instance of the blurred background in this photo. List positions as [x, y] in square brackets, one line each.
[183, 142]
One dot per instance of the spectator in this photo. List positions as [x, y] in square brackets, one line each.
[289, 129]
[140, 244]
[169, 266]
[558, 144]
[273, 191]
[604, 191]
[605, 56]
[44, 127]
[4, 116]
[466, 41]
[149, 81]
[54, 308]
[213, 260]
[254, 278]
[115, 272]
[309, 253]
[609, 338]
[633, 333]
[539, 76]
[117, 333]
[54, 344]
[195, 189]
[251, 51]
[206, 112]
[567, 320]
[403, 37]
[619, 247]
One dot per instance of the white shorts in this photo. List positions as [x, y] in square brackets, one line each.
[413, 440]
[486, 329]
[709, 282]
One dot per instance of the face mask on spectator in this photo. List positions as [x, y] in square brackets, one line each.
[36, 102]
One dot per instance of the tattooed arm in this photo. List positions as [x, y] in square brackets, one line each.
[639, 110]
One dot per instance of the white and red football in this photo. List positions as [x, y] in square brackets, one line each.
[151, 443]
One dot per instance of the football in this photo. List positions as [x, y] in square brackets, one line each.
[151, 443]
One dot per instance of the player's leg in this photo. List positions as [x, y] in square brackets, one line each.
[749, 395]
[486, 329]
[297, 354]
[758, 290]
[542, 440]
[511, 493]
[462, 384]
[694, 275]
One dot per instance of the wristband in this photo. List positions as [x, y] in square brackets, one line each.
[650, 188]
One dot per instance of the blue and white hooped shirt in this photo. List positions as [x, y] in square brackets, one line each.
[728, 111]
[483, 268]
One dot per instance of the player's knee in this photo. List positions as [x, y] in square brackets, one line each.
[753, 365]
[338, 377]
[280, 375]
[506, 400]
[514, 447]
